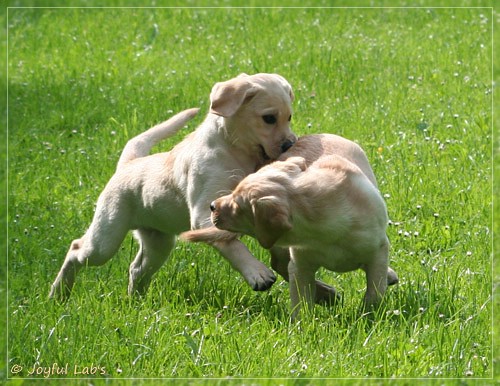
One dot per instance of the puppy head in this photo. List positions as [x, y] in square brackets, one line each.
[257, 112]
[259, 205]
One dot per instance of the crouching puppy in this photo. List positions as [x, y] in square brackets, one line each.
[327, 210]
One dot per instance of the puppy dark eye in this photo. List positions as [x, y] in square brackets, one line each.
[270, 119]
[289, 118]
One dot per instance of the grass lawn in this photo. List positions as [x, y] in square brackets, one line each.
[413, 86]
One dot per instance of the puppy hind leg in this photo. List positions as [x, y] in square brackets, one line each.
[392, 277]
[280, 258]
[95, 248]
[154, 250]
[63, 284]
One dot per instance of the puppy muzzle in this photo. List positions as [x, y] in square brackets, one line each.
[214, 215]
[286, 145]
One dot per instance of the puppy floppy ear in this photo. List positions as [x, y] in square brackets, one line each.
[286, 86]
[227, 97]
[272, 219]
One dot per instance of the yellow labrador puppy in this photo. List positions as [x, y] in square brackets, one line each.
[162, 195]
[323, 205]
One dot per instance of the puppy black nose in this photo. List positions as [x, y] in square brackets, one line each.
[286, 145]
[212, 206]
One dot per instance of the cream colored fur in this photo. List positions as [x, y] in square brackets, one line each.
[323, 205]
[162, 195]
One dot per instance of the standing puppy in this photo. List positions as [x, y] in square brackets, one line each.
[164, 194]
[324, 207]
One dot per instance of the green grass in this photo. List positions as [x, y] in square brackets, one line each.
[412, 86]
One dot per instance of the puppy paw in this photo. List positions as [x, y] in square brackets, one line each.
[262, 280]
[326, 295]
[59, 293]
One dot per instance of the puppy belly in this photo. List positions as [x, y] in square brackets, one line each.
[333, 259]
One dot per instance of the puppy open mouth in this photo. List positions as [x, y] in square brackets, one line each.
[263, 153]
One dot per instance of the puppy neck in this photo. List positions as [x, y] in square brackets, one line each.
[221, 130]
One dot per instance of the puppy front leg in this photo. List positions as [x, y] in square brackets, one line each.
[376, 285]
[256, 274]
[302, 287]
[377, 273]
[280, 258]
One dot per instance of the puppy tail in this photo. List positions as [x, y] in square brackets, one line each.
[208, 235]
[141, 145]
